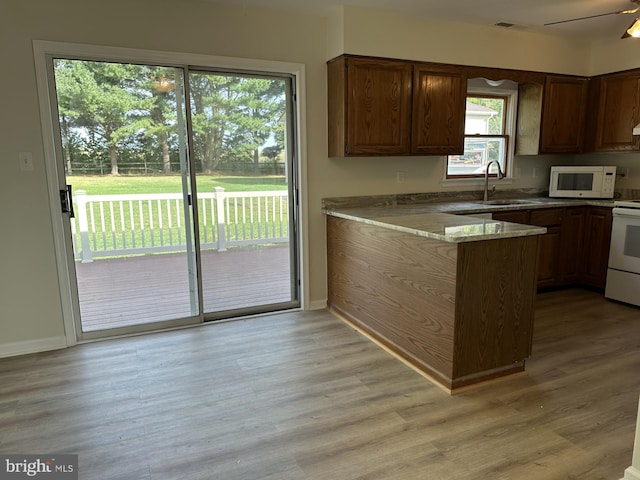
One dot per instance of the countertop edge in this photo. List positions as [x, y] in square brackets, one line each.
[504, 229]
[393, 216]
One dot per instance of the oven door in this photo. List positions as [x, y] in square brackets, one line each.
[625, 240]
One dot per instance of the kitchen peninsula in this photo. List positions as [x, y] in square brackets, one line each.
[452, 295]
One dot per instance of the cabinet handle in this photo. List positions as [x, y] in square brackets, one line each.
[66, 201]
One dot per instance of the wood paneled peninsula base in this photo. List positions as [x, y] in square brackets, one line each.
[452, 296]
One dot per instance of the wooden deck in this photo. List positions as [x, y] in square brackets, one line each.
[130, 291]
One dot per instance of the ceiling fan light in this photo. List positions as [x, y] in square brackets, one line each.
[634, 29]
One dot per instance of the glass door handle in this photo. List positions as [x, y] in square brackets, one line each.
[66, 201]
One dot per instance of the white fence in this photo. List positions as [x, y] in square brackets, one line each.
[114, 225]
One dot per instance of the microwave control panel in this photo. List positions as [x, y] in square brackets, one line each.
[608, 179]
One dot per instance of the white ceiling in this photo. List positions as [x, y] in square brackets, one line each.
[529, 15]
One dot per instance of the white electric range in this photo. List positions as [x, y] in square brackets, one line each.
[623, 275]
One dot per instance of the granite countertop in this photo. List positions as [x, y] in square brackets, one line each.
[450, 221]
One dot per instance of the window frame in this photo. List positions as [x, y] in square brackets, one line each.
[45, 50]
[510, 95]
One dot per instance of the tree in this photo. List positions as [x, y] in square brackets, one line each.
[160, 122]
[272, 152]
[262, 105]
[233, 117]
[68, 89]
[210, 105]
[130, 112]
[100, 97]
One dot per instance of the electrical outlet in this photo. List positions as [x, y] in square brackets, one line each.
[26, 161]
[534, 172]
[627, 172]
[400, 177]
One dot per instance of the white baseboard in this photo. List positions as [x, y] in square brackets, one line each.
[631, 473]
[32, 346]
[317, 304]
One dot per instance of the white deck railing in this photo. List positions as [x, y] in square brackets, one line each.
[114, 225]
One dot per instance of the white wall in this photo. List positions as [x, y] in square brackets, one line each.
[30, 309]
[371, 32]
[614, 55]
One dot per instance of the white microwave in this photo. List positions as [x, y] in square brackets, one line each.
[582, 182]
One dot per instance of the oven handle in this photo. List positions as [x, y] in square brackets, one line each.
[626, 212]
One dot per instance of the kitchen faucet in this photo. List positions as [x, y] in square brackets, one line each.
[486, 178]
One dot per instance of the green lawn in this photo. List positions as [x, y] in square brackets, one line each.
[110, 185]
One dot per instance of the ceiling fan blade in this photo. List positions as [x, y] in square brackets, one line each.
[626, 33]
[593, 16]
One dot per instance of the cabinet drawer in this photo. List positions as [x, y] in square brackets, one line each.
[514, 216]
[546, 217]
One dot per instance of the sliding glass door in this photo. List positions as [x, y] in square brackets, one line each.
[243, 161]
[124, 149]
[181, 185]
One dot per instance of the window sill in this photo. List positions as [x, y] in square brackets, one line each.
[461, 182]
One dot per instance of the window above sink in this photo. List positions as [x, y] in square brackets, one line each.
[489, 130]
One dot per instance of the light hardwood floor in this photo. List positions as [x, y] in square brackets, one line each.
[303, 396]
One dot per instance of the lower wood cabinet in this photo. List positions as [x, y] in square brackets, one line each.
[548, 245]
[572, 244]
[548, 257]
[596, 244]
[550, 254]
[575, 249]
[460, 313]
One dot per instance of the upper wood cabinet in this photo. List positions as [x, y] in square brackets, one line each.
[381, 107]
[563, 114]
[369, 106]
[551, 116]
[387, 107]
[617, 100]
[439, 100]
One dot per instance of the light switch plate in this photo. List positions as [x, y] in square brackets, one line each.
[26, 161]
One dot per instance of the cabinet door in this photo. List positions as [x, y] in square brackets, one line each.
[572, 239]
[596, 246]
[438, 111]
[563, 114]
[549, 252]
[378, 107]
[548, 255]
[618, 112]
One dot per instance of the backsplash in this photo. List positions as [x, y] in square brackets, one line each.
[458, 196]
[627, 194]
[426, 197]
